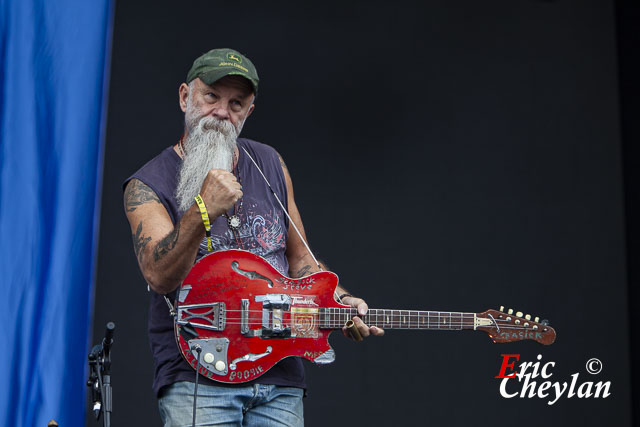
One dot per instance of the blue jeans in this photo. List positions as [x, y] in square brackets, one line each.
[254, 405]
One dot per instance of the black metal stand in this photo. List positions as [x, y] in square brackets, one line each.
[100, 376]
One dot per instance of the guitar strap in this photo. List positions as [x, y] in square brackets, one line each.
[283, 209]
[306, 245]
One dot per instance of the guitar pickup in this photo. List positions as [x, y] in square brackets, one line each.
[273, 307]
[214, 318]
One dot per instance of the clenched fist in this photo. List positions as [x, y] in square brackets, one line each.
[220, 191]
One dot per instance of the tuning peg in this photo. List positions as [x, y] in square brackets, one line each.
[519, 314]
[545, 322]
[537, 319]
[527, 316]
[510, 311]
[502, 308]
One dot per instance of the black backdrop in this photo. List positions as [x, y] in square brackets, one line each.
[453, 155]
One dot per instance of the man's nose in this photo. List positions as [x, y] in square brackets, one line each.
[221, 112]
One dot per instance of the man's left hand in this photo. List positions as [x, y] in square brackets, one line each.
[362, 308]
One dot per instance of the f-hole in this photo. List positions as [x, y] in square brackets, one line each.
[250, 274]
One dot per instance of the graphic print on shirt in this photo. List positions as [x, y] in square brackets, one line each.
[260, 232]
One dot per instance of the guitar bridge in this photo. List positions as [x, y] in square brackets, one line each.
[215, 317]
[244, 316]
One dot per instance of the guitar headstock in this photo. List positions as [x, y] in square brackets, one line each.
[512, 326]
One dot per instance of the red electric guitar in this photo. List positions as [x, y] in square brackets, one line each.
[240, 316]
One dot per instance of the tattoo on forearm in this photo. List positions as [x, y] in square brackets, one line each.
[139, 242]
[302, 272]
[137, 193]
[167, 244]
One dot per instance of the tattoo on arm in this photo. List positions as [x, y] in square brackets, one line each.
[302, 272]
[139, 242]
[167, 244]
[137, 193]
[284, 166]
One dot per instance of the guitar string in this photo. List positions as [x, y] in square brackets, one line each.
[412, 315]
[429, 319]
[338, 323]
[421, 320]
[393, 324]
[371, 310]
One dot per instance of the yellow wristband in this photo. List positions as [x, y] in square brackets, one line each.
[205, 220]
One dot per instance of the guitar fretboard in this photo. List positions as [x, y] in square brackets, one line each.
[335, 318]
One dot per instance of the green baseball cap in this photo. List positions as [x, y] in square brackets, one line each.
[217, 63]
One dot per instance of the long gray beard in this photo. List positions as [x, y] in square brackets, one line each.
[210, 145]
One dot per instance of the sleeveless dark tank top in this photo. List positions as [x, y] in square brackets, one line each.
[264, 231]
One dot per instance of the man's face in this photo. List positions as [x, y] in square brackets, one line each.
[214, 116]
[229, 99]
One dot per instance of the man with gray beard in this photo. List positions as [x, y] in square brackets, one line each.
[211, 161]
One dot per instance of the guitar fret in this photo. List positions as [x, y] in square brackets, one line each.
[457, 324]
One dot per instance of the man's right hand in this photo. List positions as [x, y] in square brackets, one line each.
[220, 191]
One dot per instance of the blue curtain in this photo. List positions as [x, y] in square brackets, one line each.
[54, 61]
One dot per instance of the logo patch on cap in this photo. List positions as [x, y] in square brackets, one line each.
[234, 57]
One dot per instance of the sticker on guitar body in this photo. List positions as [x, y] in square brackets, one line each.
[247, 373]
[304, 316]
[304, 300]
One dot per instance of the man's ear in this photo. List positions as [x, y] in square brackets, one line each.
[183, 95]
[250, 110]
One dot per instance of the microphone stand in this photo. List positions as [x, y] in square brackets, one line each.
[100, 376]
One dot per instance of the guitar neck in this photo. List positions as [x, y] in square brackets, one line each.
[335, 318]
